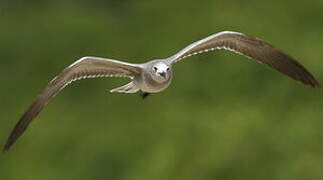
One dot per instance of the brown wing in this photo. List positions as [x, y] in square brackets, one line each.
[86, 67]
[252, 48]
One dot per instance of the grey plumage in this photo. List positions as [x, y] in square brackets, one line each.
[156, 75]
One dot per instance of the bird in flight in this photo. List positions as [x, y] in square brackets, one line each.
[156, 75]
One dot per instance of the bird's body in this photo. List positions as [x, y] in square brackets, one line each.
[156, 75]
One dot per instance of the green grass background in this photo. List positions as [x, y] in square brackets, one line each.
[224, 117]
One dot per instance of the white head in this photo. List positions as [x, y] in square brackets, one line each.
[161, 72]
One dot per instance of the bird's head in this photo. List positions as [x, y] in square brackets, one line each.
[161, 72]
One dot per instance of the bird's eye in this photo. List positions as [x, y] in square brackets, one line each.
[155, 68]
[167, 69]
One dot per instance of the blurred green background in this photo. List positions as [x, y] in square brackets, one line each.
[224, 117]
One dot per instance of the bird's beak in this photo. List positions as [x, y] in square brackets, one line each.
[163, 74]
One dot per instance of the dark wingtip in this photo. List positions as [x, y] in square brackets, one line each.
[24, 122]
[12, 139]
[8, 145]
[316, 85]
[6, 148]
[311, 81]
[18, 130]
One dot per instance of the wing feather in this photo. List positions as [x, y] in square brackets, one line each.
[252, 48]
[86, 67]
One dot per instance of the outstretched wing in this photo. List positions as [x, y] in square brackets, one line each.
[86, 67]
[252, 48]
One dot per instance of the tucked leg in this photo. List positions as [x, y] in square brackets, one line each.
[144, 95]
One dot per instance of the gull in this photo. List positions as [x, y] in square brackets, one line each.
[156, 75]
